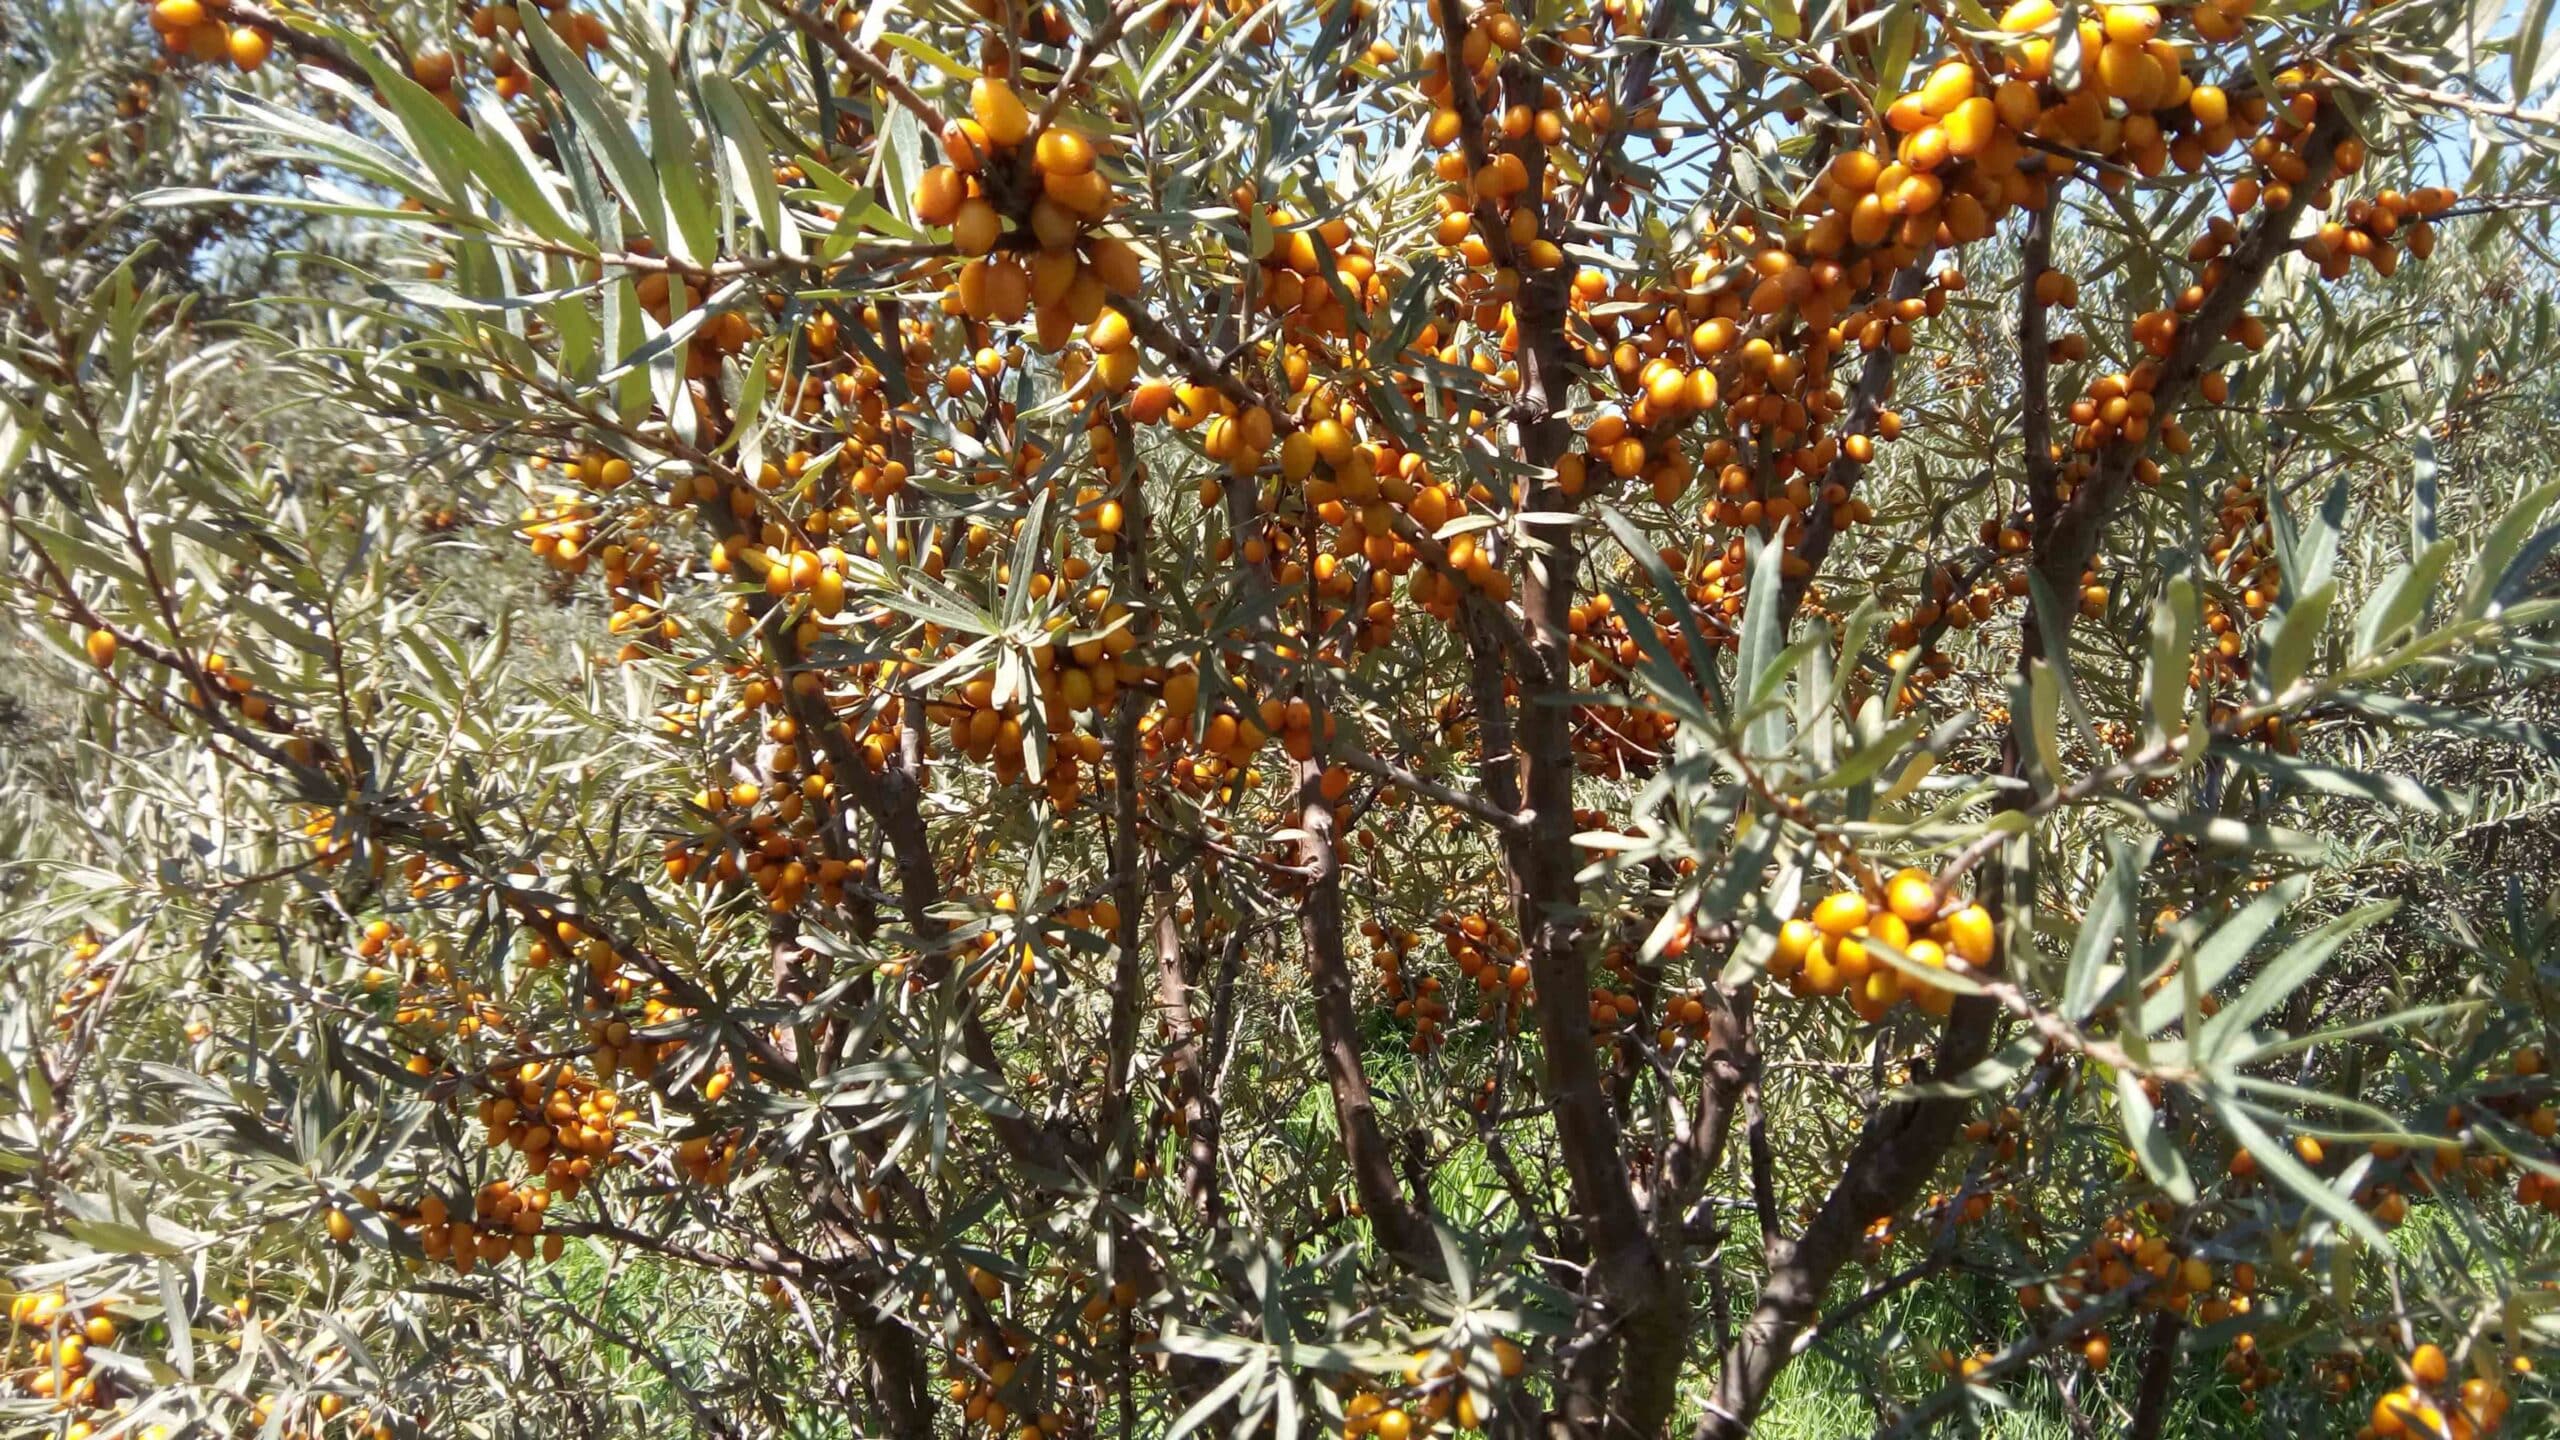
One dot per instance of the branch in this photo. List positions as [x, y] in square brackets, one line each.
[327, 54]
[2067, 545]
[1866, 402]
[1731, 1057]
[1127, 976]
[1194, 362]
[1081, 59]
[1357, 758]
[1401, 1226]
[2159, 1367]
[1470, 108]
[870, 65]
[2035, 364]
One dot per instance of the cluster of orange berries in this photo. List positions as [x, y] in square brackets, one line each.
[1359, 490]
[1105, 1304]
[1418, 1001]
[1296, 283]
[2128, 1250]
[329, 848]
[1487, 954]
[2365, 229]
[1436, 1390]
[1618, 740]
[1971, 1207]
[635, 571]
[562, 938]
[665, 295]
[557, 532]
[830, 372]
[986, 1385]
[2429, 1406]
[97, 1399]
[2450, 1160]
[1009, 959]
[579, 30]
[1830, 953]
[505, 1223]
[233, 687]
[423, 983]
[1938, 1213]
[2003, 1132]
[1023, 209]
[1615, 1003]
[766, 844]
[57, 1365]
[993, 734]
[1491, 35]
[713, 1160]
[200, 32]
[2243, 551]
[280, 1415]
[83, 981]
[2539, 1117]
[562, 1123]
[1198, 754]
[2249, 1367]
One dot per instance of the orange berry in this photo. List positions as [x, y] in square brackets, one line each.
[1912, 896]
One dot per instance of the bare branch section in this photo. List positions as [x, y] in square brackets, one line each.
[869, 66]
[1402, 1226]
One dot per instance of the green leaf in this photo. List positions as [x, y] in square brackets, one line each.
[2505, 538]
[606, 136]
[2283, 975]
[696, 220]
[741, 145]
[2428, 716]
[1901, 35]
[2151, 1142]
[512, 174]
[2223, 950]
[2111, 909]
[2290, 634]
[2278, 1160]
[1783, 20]
[2044, 707]
[2405, 791]
[114, 1237]
[1668, 589]
[1868, 759]
[435, 135]
[2400, 599]
[2173, 630]
[1758, 651]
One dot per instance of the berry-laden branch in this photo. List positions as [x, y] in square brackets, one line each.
[1866, 410]
[2064, 548]
[1623, 1370]
[314, 49]
[1126, 879]
[1901, 1145]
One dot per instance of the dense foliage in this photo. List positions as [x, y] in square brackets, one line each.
[1121, 718]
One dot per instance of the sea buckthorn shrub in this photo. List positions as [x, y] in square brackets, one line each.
[1045, 720]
